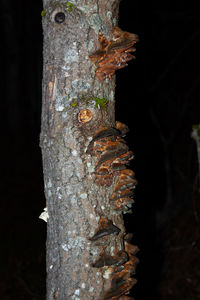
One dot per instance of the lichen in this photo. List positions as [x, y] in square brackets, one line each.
[74, 152]
[64, 247]
[49, 183]
[77, 292]
[83, 196]
[97, 23]
[91, 289]
[83, 285]
[109, 14]
[78, 242]
[72, 55]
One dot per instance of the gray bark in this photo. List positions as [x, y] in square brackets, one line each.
[75, 203]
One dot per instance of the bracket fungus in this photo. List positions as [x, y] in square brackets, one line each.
[113, 55]
[113, 155]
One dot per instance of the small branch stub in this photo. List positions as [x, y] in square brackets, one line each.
[85, 115]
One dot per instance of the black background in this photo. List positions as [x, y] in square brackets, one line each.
[157, 96]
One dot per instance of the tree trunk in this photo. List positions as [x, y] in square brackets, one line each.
[85, 233]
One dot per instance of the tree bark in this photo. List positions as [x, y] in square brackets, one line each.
[75, 105]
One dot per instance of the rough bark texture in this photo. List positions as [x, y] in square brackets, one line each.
[75, 202]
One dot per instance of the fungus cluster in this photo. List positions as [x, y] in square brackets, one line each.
[113, 55]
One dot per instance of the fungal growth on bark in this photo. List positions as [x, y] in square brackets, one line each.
[113, 55]
[112, 156]
[106, 227]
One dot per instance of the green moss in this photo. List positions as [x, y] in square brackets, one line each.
[74, 103]
[70, 6]
[100, 102]
[87, 99]
[43, 14]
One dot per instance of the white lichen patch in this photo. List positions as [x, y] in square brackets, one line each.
[74, 152]
[73, 200]
[91, 289]
[91, 216]
[49, 184]
[97, 218]
[83, 196]
[87, 9]
[64, 247]
[64, 115]
[112, 250]
[59, 107]
[90, 167]
[81, 85]
[77, 292]
[83, 285]
[109, 14]
[60, 102]
[111, 96]
[65, 69]
[102, 207]
[91, 233]
[90, 45]
[97, 23]
[51, 267]
[72, 55]
[86, 265]
[66, 74]
[78, 242]
[79, 160]
[58, 192]
[115, 21]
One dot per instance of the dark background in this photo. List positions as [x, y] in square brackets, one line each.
[158, 97]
